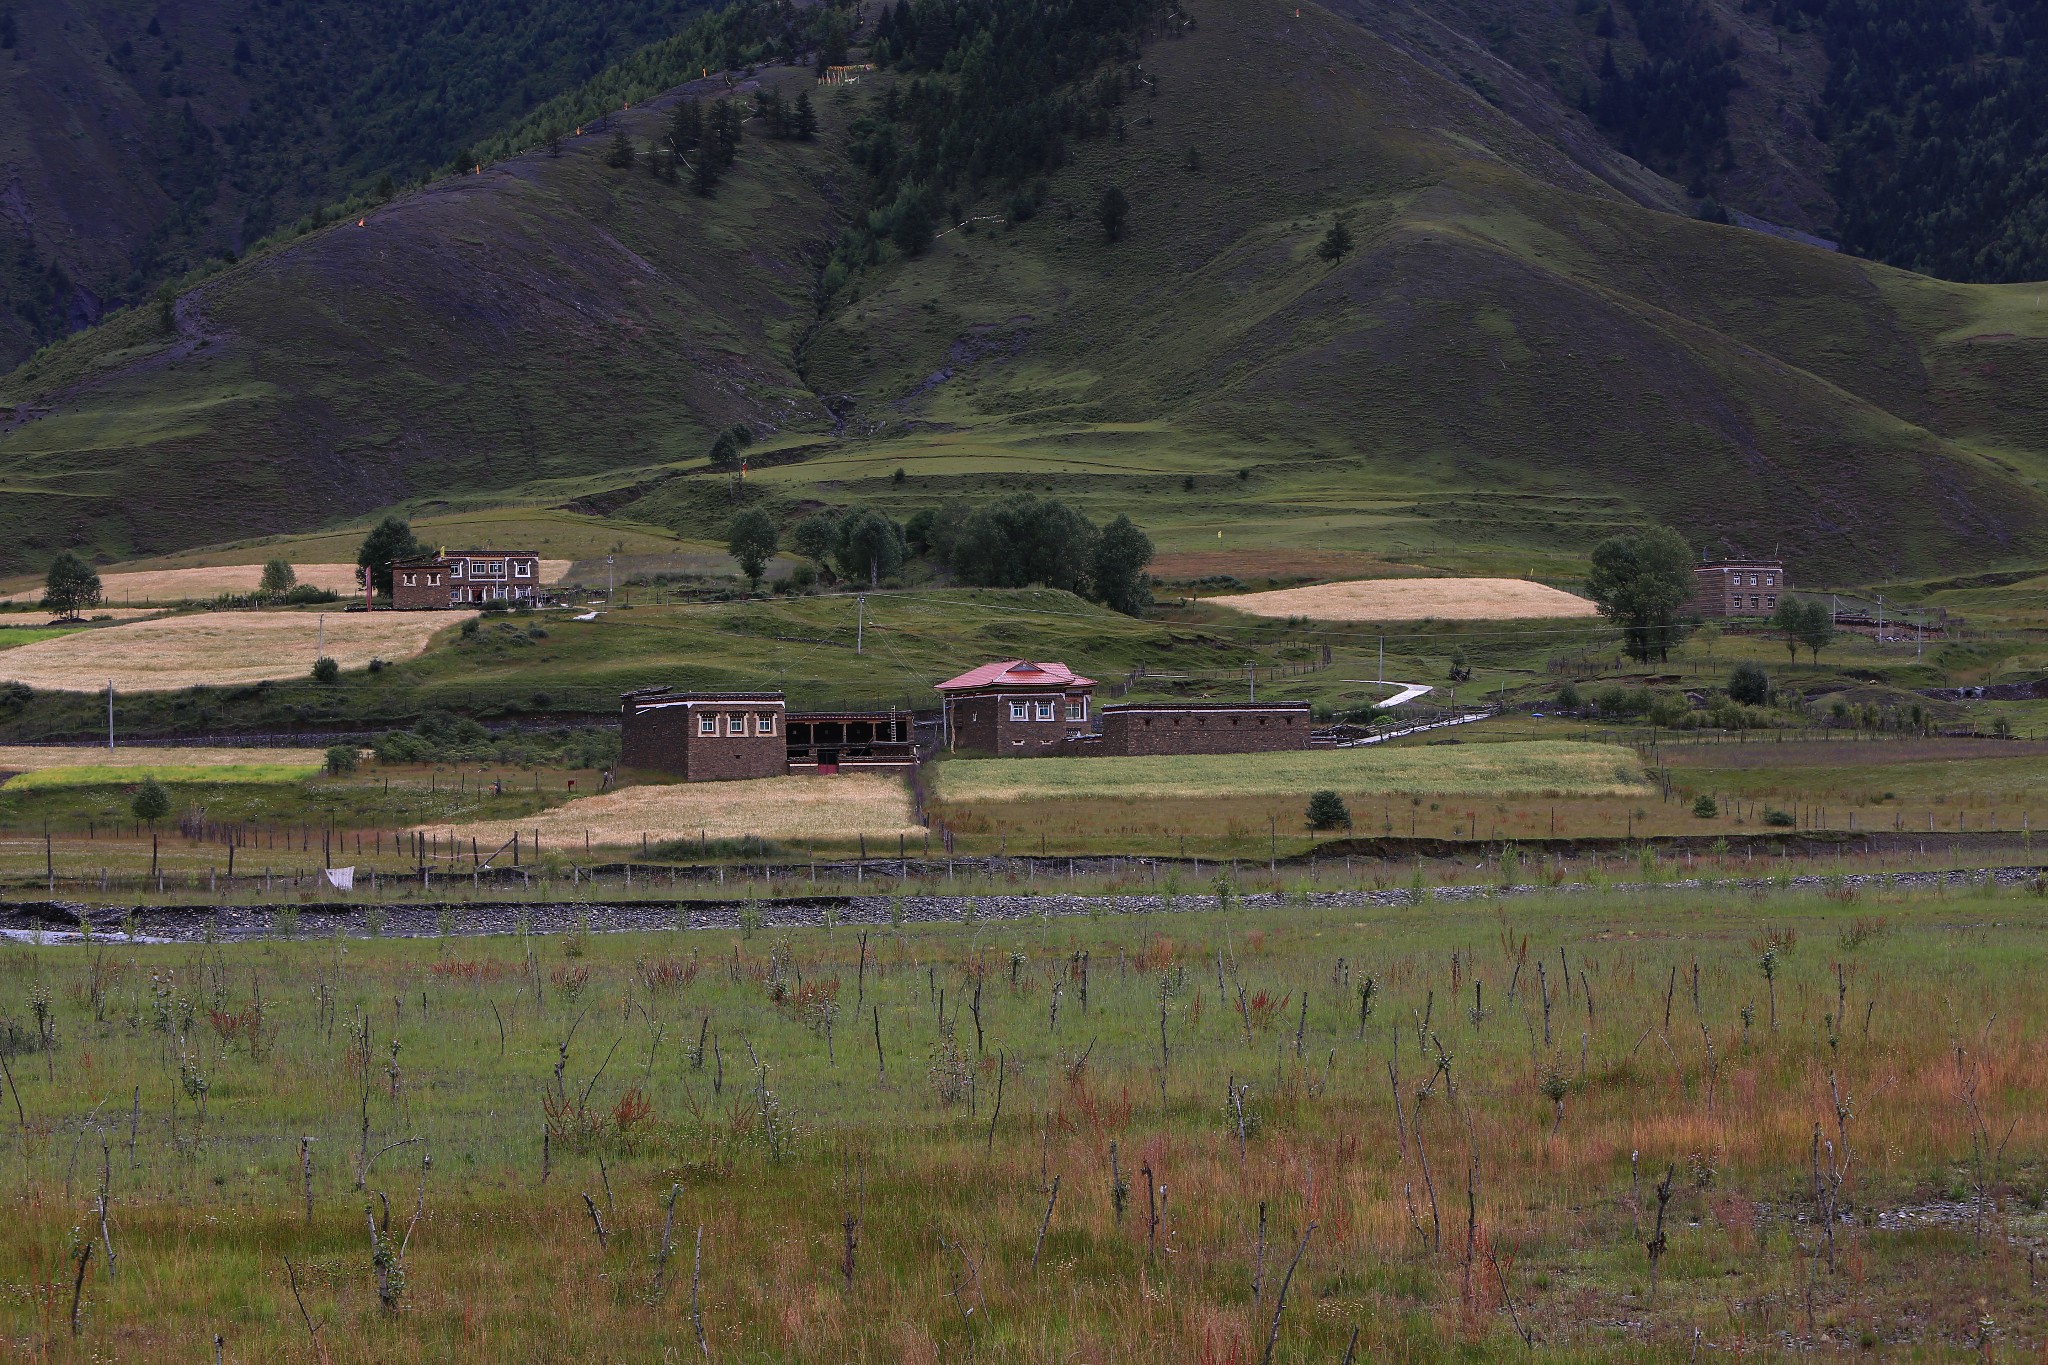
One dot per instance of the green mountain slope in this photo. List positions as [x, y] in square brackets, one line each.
[1523, 351]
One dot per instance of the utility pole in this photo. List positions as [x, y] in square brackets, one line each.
[608, 578]
[320, 647]
[860, 623]
[1383, 656]
[1251, 673]
[110, 715]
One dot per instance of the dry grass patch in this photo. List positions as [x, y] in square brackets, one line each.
[1414, 599]
[218, 648]
[828, 808]
[1564, 768]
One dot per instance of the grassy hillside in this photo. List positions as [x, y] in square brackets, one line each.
[548, 319]
[144, 139]
[1521, 353]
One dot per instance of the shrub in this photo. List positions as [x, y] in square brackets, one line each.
[152, 803]
[1705, 807]
[341, 759]
[1326, 810]
[1568, 697]
[305, 594]
[326, 670]
[1778, 819]
[1749, 685]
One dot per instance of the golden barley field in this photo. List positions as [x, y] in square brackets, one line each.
[1564, 768]
[218, 648]
[1414, 599]
[829, 808]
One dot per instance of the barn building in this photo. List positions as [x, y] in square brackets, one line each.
[1017, 707]
[464, 578]
[1140, 728]
[1737, 587]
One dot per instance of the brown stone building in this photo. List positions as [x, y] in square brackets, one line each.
[465, 578]
[1737, 587]
[704, 736]
[1202, 728]
[1016, 707]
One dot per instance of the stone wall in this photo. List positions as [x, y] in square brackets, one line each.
[1130, 731]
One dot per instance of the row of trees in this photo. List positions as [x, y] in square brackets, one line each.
[1015, 542]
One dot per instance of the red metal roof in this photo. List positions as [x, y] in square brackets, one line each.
[1016, 673]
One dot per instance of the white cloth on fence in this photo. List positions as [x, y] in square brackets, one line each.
[341, 878]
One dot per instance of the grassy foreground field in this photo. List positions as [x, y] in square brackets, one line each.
[1613, 1127]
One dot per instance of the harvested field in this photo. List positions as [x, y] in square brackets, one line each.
[769, 808]
[1414, 599]
[205, 584]
[30, 758]
[1510, 769]
[218, 648]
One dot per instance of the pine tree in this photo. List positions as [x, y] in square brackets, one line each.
[620, 154]
[806, 117]
[686, 126]
[1113, 212]
[1336, 243]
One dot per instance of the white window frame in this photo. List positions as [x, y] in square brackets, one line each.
[455, 569]
[736, 724]
[522, 570]
[1077, 709]
[1020, 710]
[707, 723]
[764, 724]
[1046, 710]
[412, 580]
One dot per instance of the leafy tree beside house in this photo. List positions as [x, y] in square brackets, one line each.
[1749, 685]
[70, 586]
[1641, 582]
[391, 541]
[752, 540]
[1121, 555]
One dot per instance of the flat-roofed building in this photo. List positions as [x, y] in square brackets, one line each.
[1737, 587]
[704, 736]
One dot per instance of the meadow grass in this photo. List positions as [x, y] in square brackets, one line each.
[830, 809]
[1471, 1104]
[108, 774]
[1560, 768]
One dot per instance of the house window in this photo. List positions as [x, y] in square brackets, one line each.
[1770, 601]
[455, 569]
[707, 724]
[1045, 710]
[735, 725]
[411, 580]
[522, 570]
[1020, 710]
[1770, 580]
[433, 580]
[764, 724]
[1077, 708]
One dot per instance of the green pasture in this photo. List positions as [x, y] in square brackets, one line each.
[1562, 768]
[112, 775]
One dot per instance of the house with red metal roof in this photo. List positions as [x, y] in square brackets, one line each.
[1016, 707]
